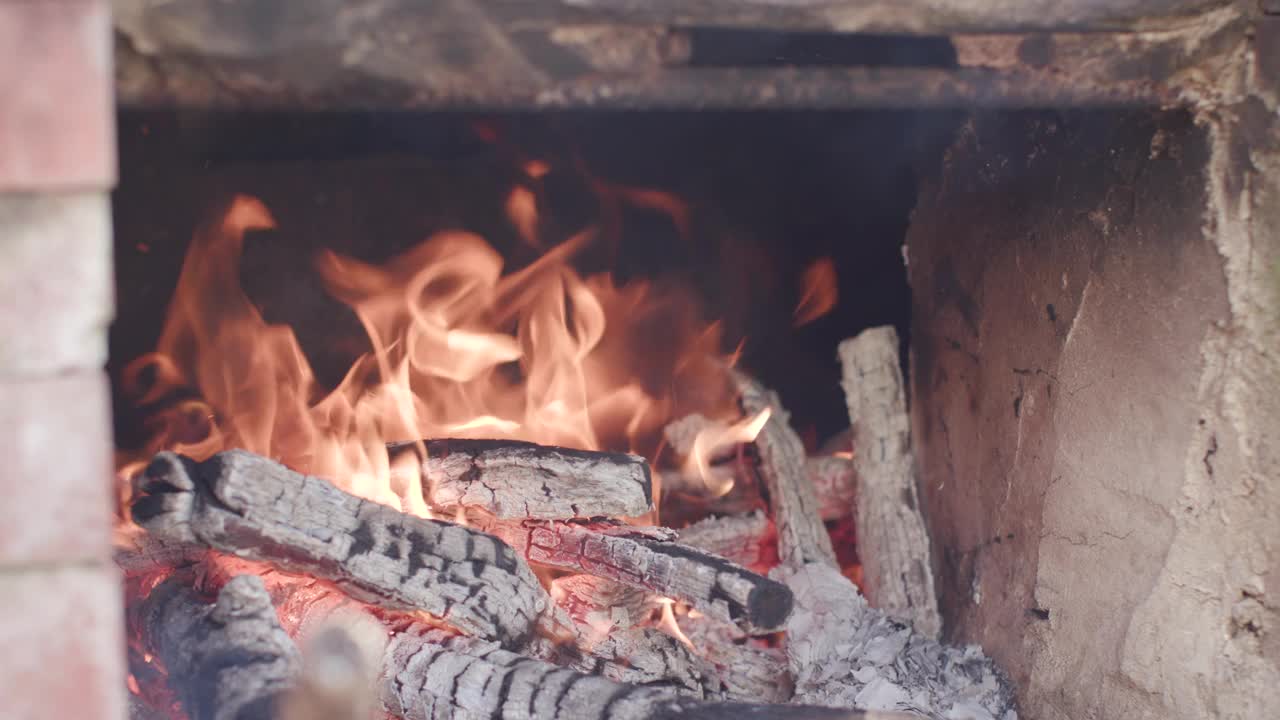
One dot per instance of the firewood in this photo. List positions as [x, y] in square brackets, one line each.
[892, 539]
[244, 504]
[833, 478]
[139, 553]
[737, 538]
[598, 602]
[432, 676]
[802, 538]
[639, 655]
[640, 558]
[517, 480]
[682, 432]
[835, 482]
[746, 672]
[226, 661]
[845, 653]
[643, 656]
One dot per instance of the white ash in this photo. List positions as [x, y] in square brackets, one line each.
[844, 653]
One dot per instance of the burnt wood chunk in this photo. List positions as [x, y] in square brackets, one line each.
[227, 661]
[737, 538]
[802, 538]
[892, 537]
[247, 505]
[515, 480]
[644, 558]
[432, 676]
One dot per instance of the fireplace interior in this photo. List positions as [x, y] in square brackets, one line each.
[601, 359]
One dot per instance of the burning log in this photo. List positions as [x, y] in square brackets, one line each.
[802, 538]
[643, 656]
[431, 676]
[750, 673]
[140, 553]
[892, 538]
[640, 557]
[597, 602]
[226, 661]
[741, 539]
[519, 480]
[746, 670]
[833, 478]
[250, 506]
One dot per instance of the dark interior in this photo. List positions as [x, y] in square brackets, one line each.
[767, 194]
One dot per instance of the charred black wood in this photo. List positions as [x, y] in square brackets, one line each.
[647, 559]
[227, 661]
[247, 505]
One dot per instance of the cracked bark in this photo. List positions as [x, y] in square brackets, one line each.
[892, 538]
[432, 676]
[802, 538]
[646, 558]
[833, 478]
[740, 539]
[515, 480]
[252, 507]
[227, 661]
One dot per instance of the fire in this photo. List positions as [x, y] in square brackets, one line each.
[818, 291]
[459, 346]
[713, 439]
[668, 624]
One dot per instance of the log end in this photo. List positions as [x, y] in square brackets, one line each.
[769, 604]
[164, 496]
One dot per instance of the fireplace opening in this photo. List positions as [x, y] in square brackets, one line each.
[784, 230]
[330, 291]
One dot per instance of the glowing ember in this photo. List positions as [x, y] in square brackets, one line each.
[819, 291]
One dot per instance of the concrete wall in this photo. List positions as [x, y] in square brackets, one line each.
[1096, 398]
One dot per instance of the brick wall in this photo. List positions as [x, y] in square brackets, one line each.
[60, 603]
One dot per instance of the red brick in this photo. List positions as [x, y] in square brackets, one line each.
[62, 634]
[57, 121]
[55, 282]
[56, 478]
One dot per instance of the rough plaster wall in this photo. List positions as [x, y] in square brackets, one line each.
[1091, 380]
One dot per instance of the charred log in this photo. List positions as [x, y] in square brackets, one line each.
[632, 556]
[741, 539]
[892, 538]
[512, 479]
[596, 602]
[226, 661]
[802, 538]
[834, 482]
[432, 676]
[250, 506]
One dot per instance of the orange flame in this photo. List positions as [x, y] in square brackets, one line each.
[715, 437]
[460, 348]
[667, 623]
[819, 291]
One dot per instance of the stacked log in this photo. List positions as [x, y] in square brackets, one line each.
[540, 602]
